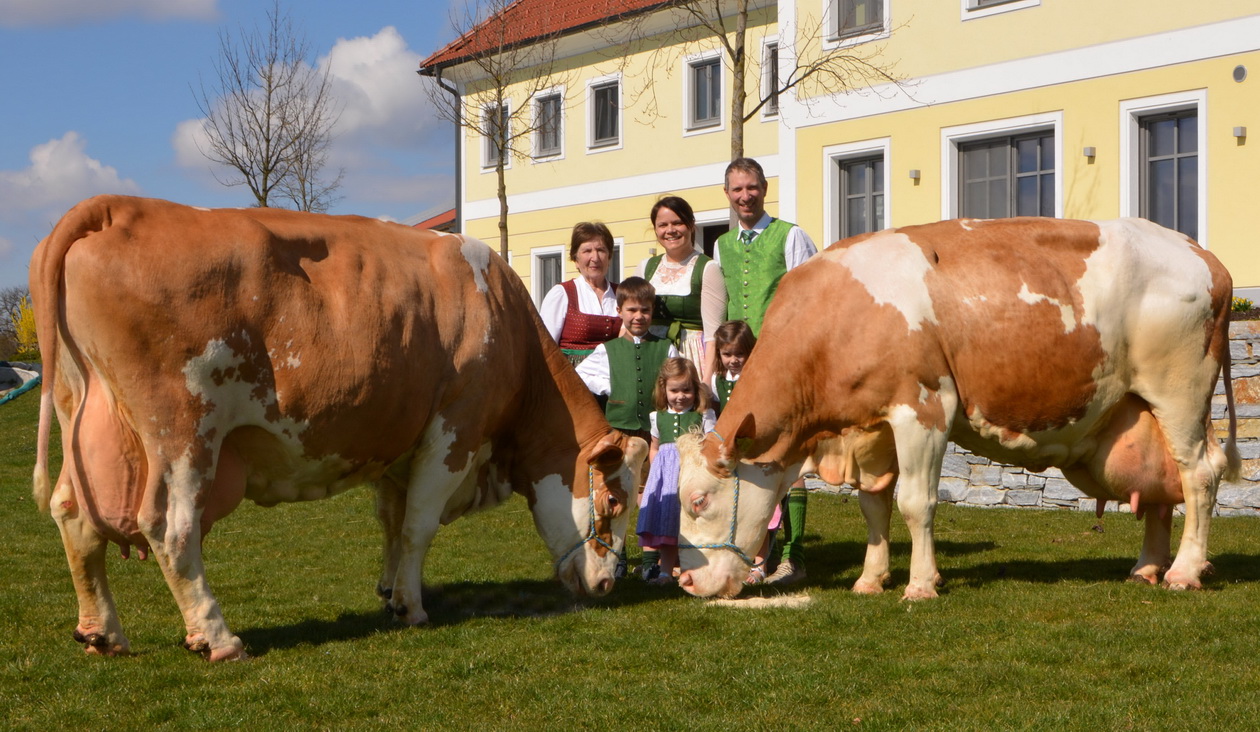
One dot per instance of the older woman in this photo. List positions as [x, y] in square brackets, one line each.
[582, 312]
[690, 291]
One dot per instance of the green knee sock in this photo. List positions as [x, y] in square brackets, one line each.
[650, 557]
[794, 523]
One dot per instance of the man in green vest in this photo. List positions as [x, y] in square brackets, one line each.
[754, 256]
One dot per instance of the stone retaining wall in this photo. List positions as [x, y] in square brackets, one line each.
[971, 480]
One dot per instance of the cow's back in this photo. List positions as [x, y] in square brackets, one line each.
[326, 344]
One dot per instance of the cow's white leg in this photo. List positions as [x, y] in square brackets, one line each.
[1199, 482]
[920, 452]
[99, 628]
[433, 482]
[175, 536]
[391, 507]
[877, 509]
[1156, 545]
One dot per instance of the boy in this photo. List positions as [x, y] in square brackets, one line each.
[625, 368]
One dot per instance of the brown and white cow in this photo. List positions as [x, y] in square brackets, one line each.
[198, 357]
[1094, 347]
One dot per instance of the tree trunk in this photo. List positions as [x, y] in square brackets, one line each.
[503, 208]
[739, 94]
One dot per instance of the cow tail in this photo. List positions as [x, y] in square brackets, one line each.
[1233, 464]
[47, 279]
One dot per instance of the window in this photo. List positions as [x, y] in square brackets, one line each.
[497, 130]
[547, 121]
[861, 195]
[972, 9]
[1007, 176]
[770, 78]
[1169, 174]
[706, 93]
[605, 114]
[858, 17]
[614, 262]
[548, 271]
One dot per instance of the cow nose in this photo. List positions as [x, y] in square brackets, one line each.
[684, 580]
[603, 586]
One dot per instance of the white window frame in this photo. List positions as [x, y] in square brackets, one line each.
[832, 157]
[619, 245]
[593, 147]
[487, 165]
[972, 9]
[690, 125]
[555, 91]
[952, 137]
[831, 27]
[1132, 112]
[766, 78]
[535, 271]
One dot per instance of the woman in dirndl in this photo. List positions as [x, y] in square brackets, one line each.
[582, 312]
[690, 291]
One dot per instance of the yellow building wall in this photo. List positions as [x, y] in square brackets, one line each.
[1091, 116]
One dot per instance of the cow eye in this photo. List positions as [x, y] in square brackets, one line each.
[699, 502]
[612, 501]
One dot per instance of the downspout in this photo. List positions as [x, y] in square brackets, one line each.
[436, 73]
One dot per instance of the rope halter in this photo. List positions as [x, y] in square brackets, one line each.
[590, 532]
[730, 541]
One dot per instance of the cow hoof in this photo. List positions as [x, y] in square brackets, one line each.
[399, 610]
[1182, 586]
[384, 592]
[197, 644]
[864, 587]
[1208, 570]
[234, 651]
[914, 594]
[1143, 578]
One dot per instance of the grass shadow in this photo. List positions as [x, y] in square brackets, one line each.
[448, 605]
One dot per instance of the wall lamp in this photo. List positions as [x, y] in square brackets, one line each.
[914, 174]
[1090, 151]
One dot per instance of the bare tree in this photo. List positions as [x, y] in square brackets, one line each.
[271, 115]
[11, 299]
[839, 70]
[506, 76]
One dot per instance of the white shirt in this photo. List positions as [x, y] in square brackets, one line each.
[596, 373]
[708, 421]
[556, 304]
[797, 247]
[712, 289]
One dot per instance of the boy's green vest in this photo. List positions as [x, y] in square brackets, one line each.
[681, 309]
[671, 425]
[752, 271]
[632, 371]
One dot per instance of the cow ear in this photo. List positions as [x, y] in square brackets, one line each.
[607, 451]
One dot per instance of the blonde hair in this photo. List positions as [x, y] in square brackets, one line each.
[674, 368]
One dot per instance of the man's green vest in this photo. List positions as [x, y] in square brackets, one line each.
[632, 371]
[670, 425]
[752, 271]
[681, 309]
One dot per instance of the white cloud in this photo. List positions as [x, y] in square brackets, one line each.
[24, 13]
[383, 98]
[61, 173]
[386, 130]
[6, 247]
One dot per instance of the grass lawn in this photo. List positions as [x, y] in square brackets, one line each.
[1035, 629]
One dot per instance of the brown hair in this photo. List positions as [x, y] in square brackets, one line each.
[746, 165]
[637, 289]
[734, 333]
[584, 232]
[672, 369]
[679, 206]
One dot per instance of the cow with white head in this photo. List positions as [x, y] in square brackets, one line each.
[1094, 347]
[196, 358]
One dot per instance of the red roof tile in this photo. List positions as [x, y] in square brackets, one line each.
[530, 20]
[445, 219]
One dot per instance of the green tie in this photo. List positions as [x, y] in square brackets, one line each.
[746, 236]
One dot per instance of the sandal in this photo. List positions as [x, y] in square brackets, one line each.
[662, 580]
[756, 576]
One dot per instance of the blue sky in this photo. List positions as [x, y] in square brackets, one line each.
[95, 98]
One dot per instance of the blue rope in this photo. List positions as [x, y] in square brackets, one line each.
[590, 532]
[730, 542]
